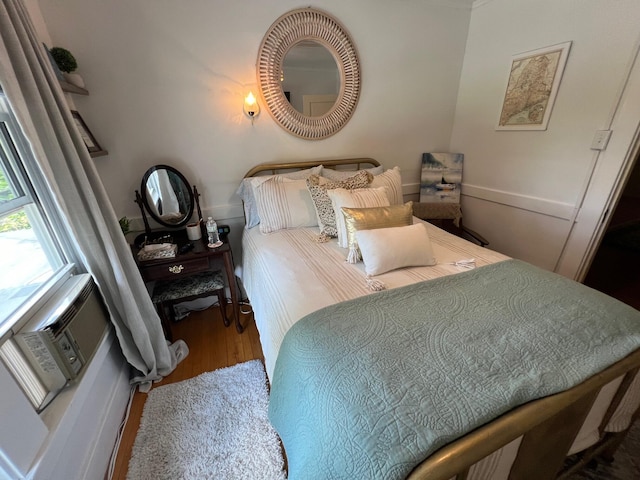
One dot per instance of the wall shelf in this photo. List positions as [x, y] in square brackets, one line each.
[100, 153]
[70, 88]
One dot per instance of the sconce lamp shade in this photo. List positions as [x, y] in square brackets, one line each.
[251, 107]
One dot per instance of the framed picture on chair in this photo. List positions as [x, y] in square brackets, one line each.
[441, 177]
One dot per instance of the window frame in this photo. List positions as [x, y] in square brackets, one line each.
[25, 172]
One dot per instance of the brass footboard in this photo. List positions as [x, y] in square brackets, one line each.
[548, 427]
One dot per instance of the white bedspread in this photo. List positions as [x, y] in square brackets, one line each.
[288, 275]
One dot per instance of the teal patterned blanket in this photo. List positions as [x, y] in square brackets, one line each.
[369, 388]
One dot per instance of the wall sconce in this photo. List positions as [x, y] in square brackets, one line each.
[251, 107]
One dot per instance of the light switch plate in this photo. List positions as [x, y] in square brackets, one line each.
[601, 139]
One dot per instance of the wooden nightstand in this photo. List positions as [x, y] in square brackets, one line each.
[199, 259]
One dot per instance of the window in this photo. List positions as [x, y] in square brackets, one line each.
[32, 259]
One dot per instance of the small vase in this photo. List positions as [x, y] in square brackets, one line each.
[74, 79]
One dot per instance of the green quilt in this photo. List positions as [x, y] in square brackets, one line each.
[368, 388]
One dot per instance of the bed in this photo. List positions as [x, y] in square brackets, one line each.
[440, 370]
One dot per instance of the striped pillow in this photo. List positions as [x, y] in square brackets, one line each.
[393, 181]
[284, 203]
[358, 198]
[337, 175]
[247, 186]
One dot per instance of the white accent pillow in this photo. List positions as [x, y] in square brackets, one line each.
[357, 198]
[393, 181]
[386, 249]
[246, 191]
[337, 175]
[284, 203]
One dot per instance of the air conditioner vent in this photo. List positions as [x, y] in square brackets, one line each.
[62, 321]
[53, 347]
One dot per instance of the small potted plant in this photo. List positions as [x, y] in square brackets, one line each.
[67, 64]
[124, 225]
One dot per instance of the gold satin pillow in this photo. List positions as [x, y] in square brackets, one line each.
[376, 217]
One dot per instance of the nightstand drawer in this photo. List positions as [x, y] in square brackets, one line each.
[174, 269]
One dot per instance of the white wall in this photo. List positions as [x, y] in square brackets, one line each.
[523, 187]
[167, 84]
[168, 79]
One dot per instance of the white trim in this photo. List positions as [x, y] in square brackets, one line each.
[410, 188]
[564, 211]
[542, 206]
[112, 415]
[611, 169]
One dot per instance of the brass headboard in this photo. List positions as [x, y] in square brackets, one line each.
[273, 168]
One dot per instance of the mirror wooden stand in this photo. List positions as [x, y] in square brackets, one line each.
[168, 199]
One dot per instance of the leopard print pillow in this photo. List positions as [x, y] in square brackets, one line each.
[324, 210]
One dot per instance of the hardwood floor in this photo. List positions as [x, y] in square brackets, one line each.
[211, 346]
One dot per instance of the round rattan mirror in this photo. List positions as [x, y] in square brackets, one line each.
[308, 24]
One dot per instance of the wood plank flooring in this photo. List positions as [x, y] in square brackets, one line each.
[211, 346]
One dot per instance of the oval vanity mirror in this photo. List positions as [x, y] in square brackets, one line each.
[310, 78]
[301, 29]
[167, 196]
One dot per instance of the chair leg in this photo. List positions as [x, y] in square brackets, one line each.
[222, 302]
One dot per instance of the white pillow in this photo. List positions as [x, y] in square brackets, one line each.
[393, 181]
[246, 191]
[284, 203]
[386, 249]
[357, 198]
[337, 175]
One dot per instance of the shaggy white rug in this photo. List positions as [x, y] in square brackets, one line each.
[213, 426]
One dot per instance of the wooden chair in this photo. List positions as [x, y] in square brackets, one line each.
[447, 216]
[166, 293]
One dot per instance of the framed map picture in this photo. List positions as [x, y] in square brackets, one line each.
[532, 86]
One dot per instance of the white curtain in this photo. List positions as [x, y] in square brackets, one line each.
[34, 93]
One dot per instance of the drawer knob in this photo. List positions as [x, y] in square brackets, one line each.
[176, 268]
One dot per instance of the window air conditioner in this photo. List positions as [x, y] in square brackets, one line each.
[50, 351]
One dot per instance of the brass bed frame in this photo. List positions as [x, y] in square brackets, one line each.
[548, 425]
[273, 168]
